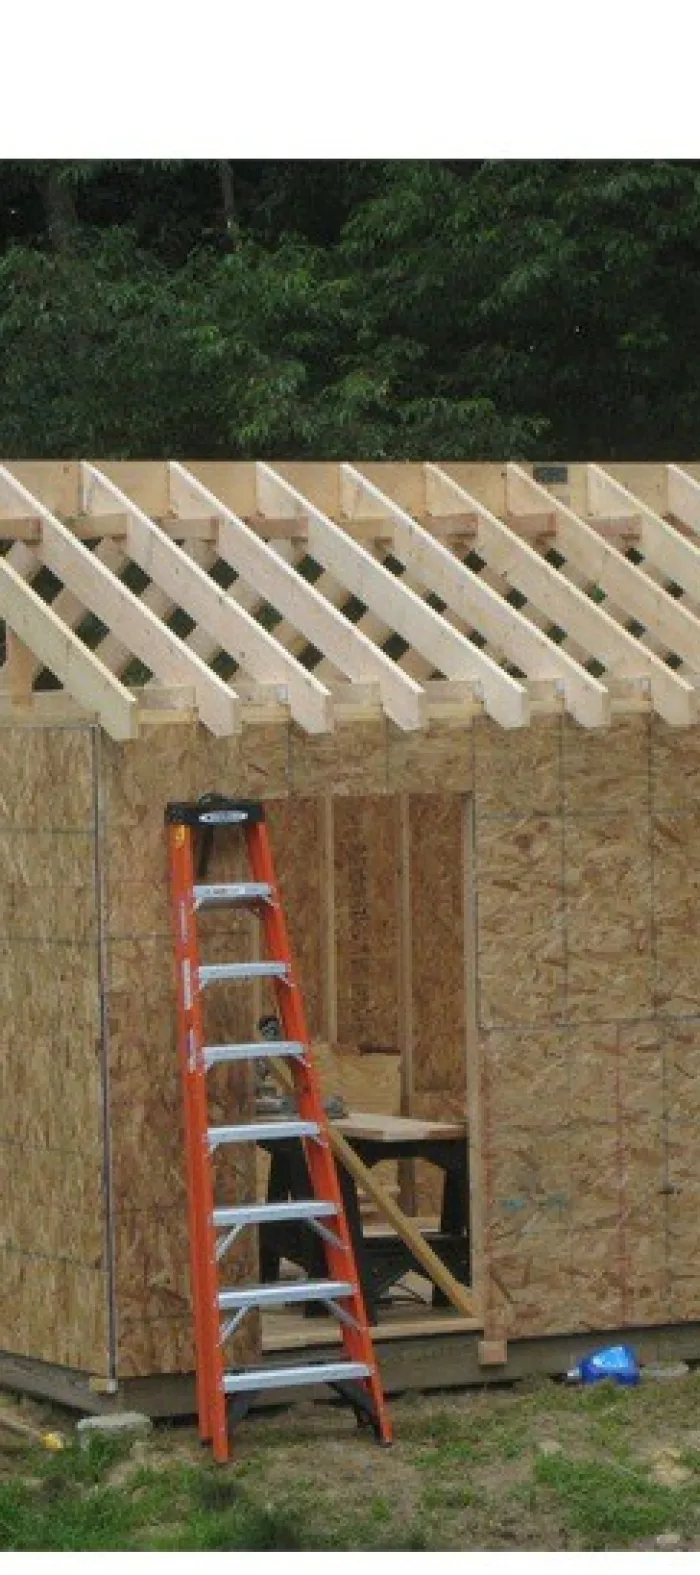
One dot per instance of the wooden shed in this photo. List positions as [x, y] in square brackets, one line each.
[468, 695]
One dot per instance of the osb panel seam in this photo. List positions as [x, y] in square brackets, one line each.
[101, 892]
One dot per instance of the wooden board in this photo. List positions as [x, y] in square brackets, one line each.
[676, 874]
[675, 766]
[351, 760]
[396, 1129]
[608, 915]
[295, 826]
[441, 754]
[614, 778]
[366, 921]
[365, 1082]
[436, 827]
[520, 919]
[578, 915]
[519, 774]
[54, 1264]
[575, 1155]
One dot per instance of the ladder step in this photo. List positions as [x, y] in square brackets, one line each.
[212, 973]
[262, 1132]
[223, 812]
[257, 1378]
[233, 895]
[217, 1055]
[236, 816]
[283, 1292]
[261, 1213]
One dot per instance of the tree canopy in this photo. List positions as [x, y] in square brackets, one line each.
[374, 309]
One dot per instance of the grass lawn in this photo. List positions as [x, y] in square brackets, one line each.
[533, 1467]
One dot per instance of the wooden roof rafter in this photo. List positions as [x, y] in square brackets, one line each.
[683, 494]
[191, 588]
[513, 573]
[675, 557]
[353, 590]
[70, 609]
[563, 603]
[112, 652]
[56, 647]
[415, 621]
[668, 570]
[350, 651]
[605, 566]
[439, 570]
[289, 539]
[97, 589]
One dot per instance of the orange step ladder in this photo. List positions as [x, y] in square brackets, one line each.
[224, 1394]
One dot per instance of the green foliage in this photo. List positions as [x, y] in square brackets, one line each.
[379, 309]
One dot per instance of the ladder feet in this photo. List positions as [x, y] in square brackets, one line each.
[365, 1423]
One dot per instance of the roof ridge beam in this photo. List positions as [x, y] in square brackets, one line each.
[673, 698]
[104, 594]
[441, 571]
[664, 547]
[317, 619]
[191, 588]
[81, 673]
[450, 652]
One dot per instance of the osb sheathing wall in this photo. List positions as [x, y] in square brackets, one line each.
[339, 862]
[536, 888]
[567, 862]
[588, 860]
[54, 1301]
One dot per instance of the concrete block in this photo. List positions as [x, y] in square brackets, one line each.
[116, 1424]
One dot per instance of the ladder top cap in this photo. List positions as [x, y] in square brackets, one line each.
[215, 809]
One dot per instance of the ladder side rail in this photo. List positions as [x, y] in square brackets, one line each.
[180, 864]
[203, 1235]
[340, 1257]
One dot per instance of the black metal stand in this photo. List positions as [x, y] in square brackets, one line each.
[381, 1259]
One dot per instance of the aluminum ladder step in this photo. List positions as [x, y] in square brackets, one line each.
[225, 817]
[282, 1293]
[262, 1132]
[263, 1213]
[235, 894]
[218, 1055]
[213, 973]
[257, 1378]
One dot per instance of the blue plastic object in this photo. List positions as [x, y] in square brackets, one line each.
[617, 1363]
